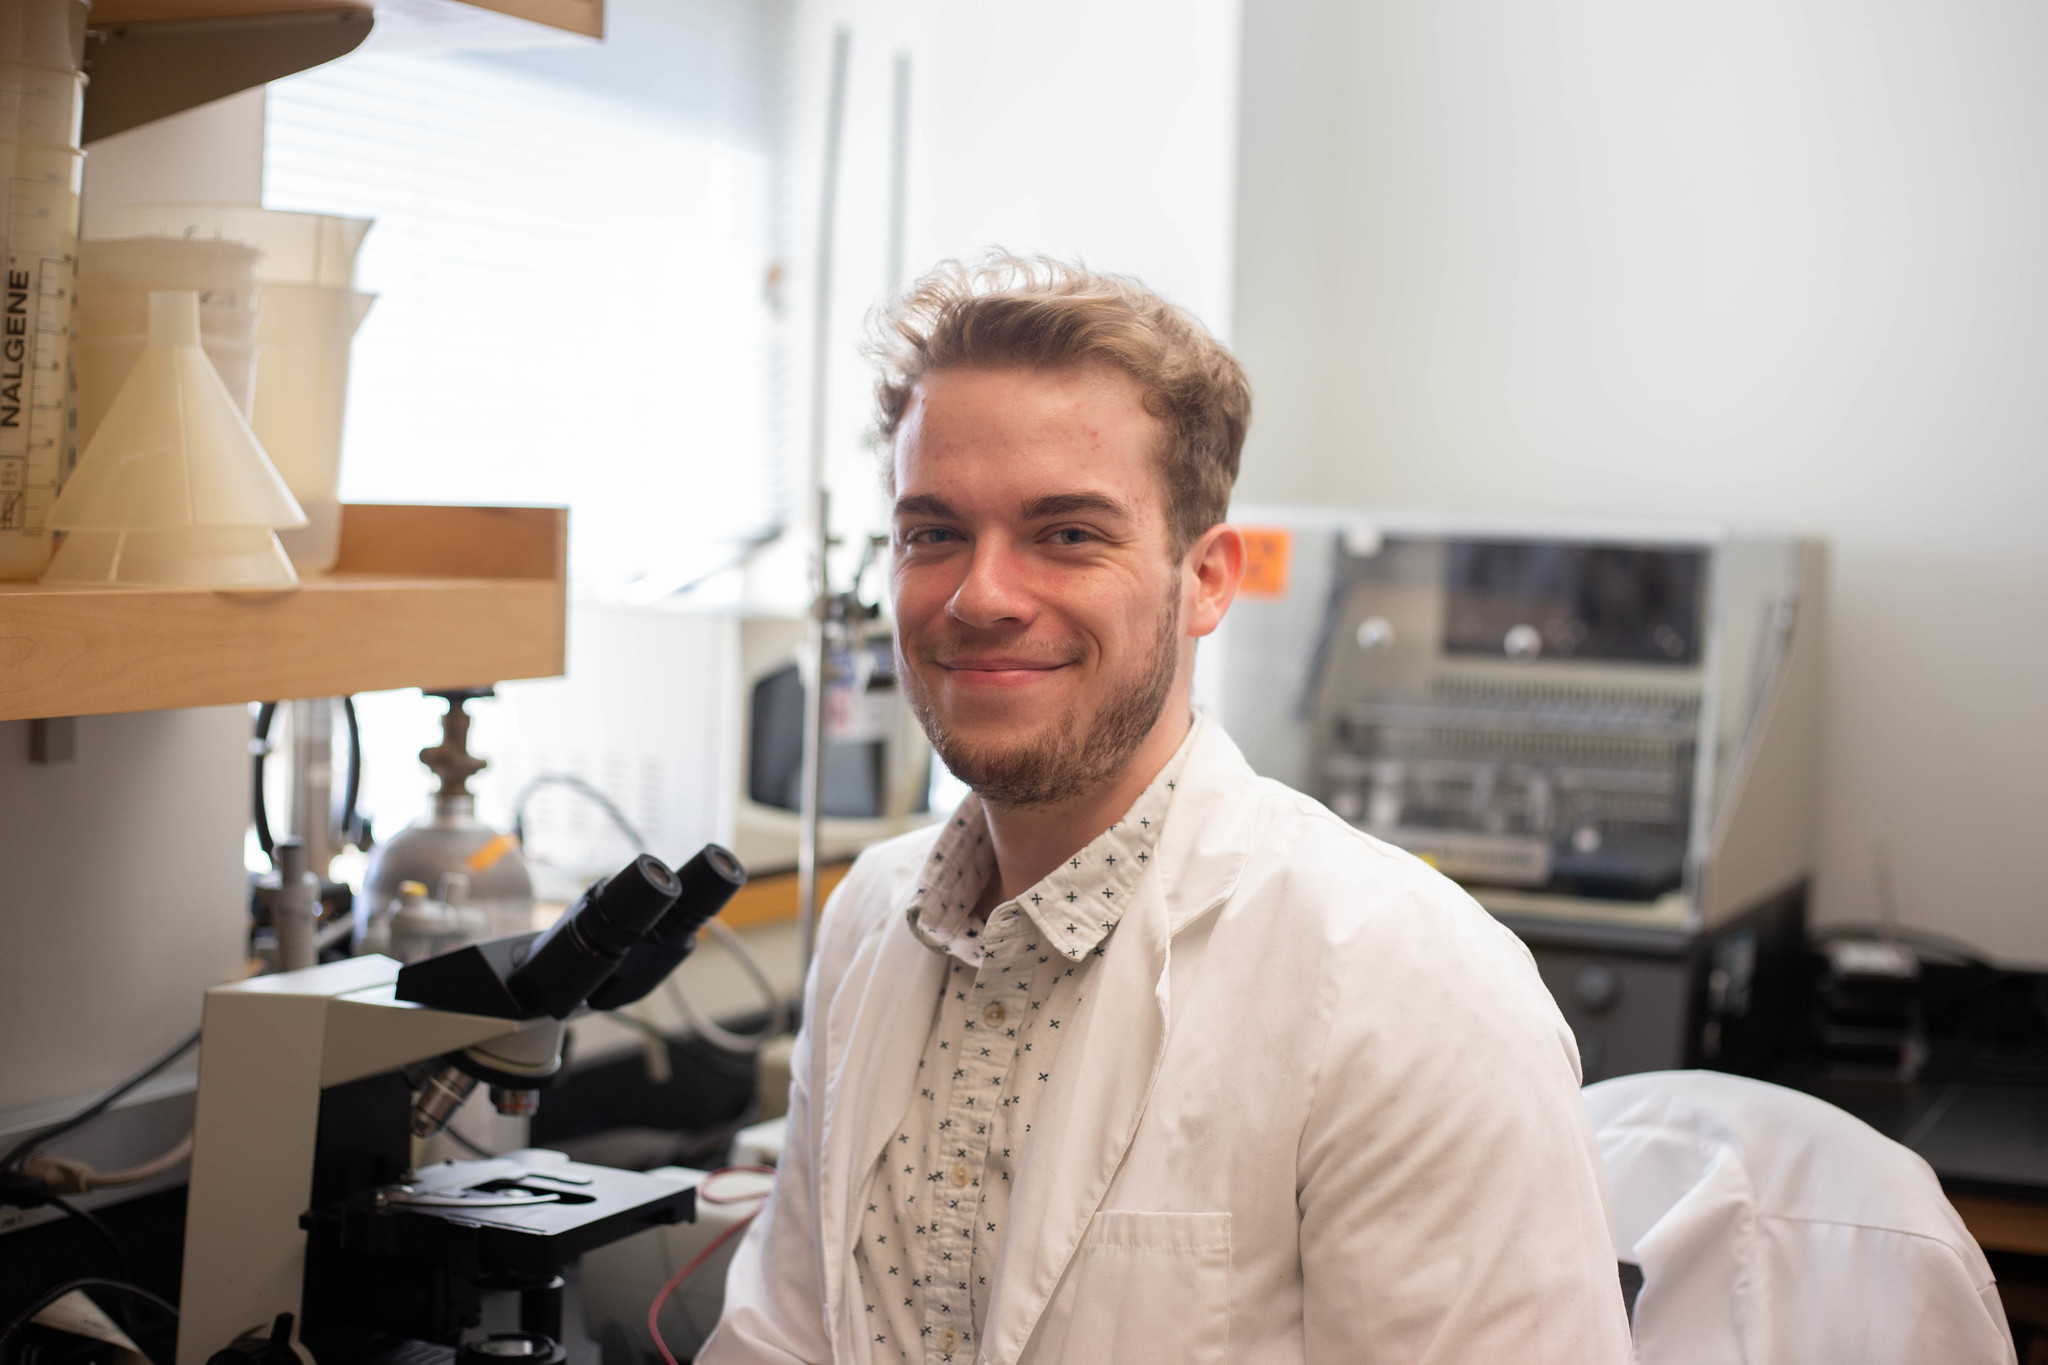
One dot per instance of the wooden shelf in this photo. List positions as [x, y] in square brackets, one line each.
[432, 597]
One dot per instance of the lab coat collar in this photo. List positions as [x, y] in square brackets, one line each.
[876, 1026]
[1075, 906]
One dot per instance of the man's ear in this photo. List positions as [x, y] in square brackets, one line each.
[1211, 570]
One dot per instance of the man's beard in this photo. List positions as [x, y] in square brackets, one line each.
[1062, 760]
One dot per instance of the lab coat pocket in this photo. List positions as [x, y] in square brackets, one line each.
[1150, 1287]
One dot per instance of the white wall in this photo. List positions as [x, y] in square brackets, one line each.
[1778, 261]
[121, 894]
[1100, 131]
[209, 155]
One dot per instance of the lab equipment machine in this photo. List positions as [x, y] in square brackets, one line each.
[1606, 733]
[316, 1087]
[876, 767]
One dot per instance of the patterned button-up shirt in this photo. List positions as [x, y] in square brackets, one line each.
[933, 1226]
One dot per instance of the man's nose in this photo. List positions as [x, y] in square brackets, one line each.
[994, 591]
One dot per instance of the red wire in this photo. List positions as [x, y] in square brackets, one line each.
[696, 1262]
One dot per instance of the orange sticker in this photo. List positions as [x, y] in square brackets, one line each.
[486, 857]
[1267, 553]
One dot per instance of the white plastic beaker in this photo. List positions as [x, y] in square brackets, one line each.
[42, 50]
[301, 398]
[40, 104]
[298, 248]
[129, 269]
[45, 32]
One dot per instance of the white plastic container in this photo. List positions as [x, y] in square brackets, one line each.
[298, 248]
[128, 269]
[42, 50]
[40, 104]
[44, 32]
[310, 311]
[37, 442]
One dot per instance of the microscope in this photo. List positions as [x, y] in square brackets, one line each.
[310, 1238]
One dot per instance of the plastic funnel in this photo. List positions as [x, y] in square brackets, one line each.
[223, 558]
[174, 455]
[103, 363]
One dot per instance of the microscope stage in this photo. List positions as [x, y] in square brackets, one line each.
[526, 1215]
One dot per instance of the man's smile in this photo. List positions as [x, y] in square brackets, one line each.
[1001, 670]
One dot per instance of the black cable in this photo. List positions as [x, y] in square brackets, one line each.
[353, 787]
[13, 1159]
[474, 1149]
[23, 1318]
[99, 1227]
[576, 784]
[748, 545]
[259, 749]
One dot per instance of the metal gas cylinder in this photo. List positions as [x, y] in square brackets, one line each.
[459, 860]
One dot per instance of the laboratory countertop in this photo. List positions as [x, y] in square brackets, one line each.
[1986, 1140]
[1980, 1137]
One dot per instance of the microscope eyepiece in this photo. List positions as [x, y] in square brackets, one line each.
[705, 884]
[593, 936]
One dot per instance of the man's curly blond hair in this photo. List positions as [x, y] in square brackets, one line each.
[1039, 313]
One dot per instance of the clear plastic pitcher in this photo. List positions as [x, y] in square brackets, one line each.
[298, 248]
[301, 397]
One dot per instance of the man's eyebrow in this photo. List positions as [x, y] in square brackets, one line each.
[925, 505]
[1067, 504]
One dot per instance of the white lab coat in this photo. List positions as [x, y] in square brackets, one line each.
[1317, 1106]
[1774, 1229]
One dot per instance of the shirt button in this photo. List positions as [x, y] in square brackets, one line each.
[992, 1016]
[958, 1175]
[948, 1339]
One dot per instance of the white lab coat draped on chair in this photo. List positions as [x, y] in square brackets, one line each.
[1774, 1229]
[1317, 1106]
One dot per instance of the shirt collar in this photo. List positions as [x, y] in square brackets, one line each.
[1075, 906]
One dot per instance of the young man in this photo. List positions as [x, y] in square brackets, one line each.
[1138, 1056]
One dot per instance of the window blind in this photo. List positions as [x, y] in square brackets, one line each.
[570, 269]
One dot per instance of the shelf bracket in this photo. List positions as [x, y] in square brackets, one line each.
[142, 72]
